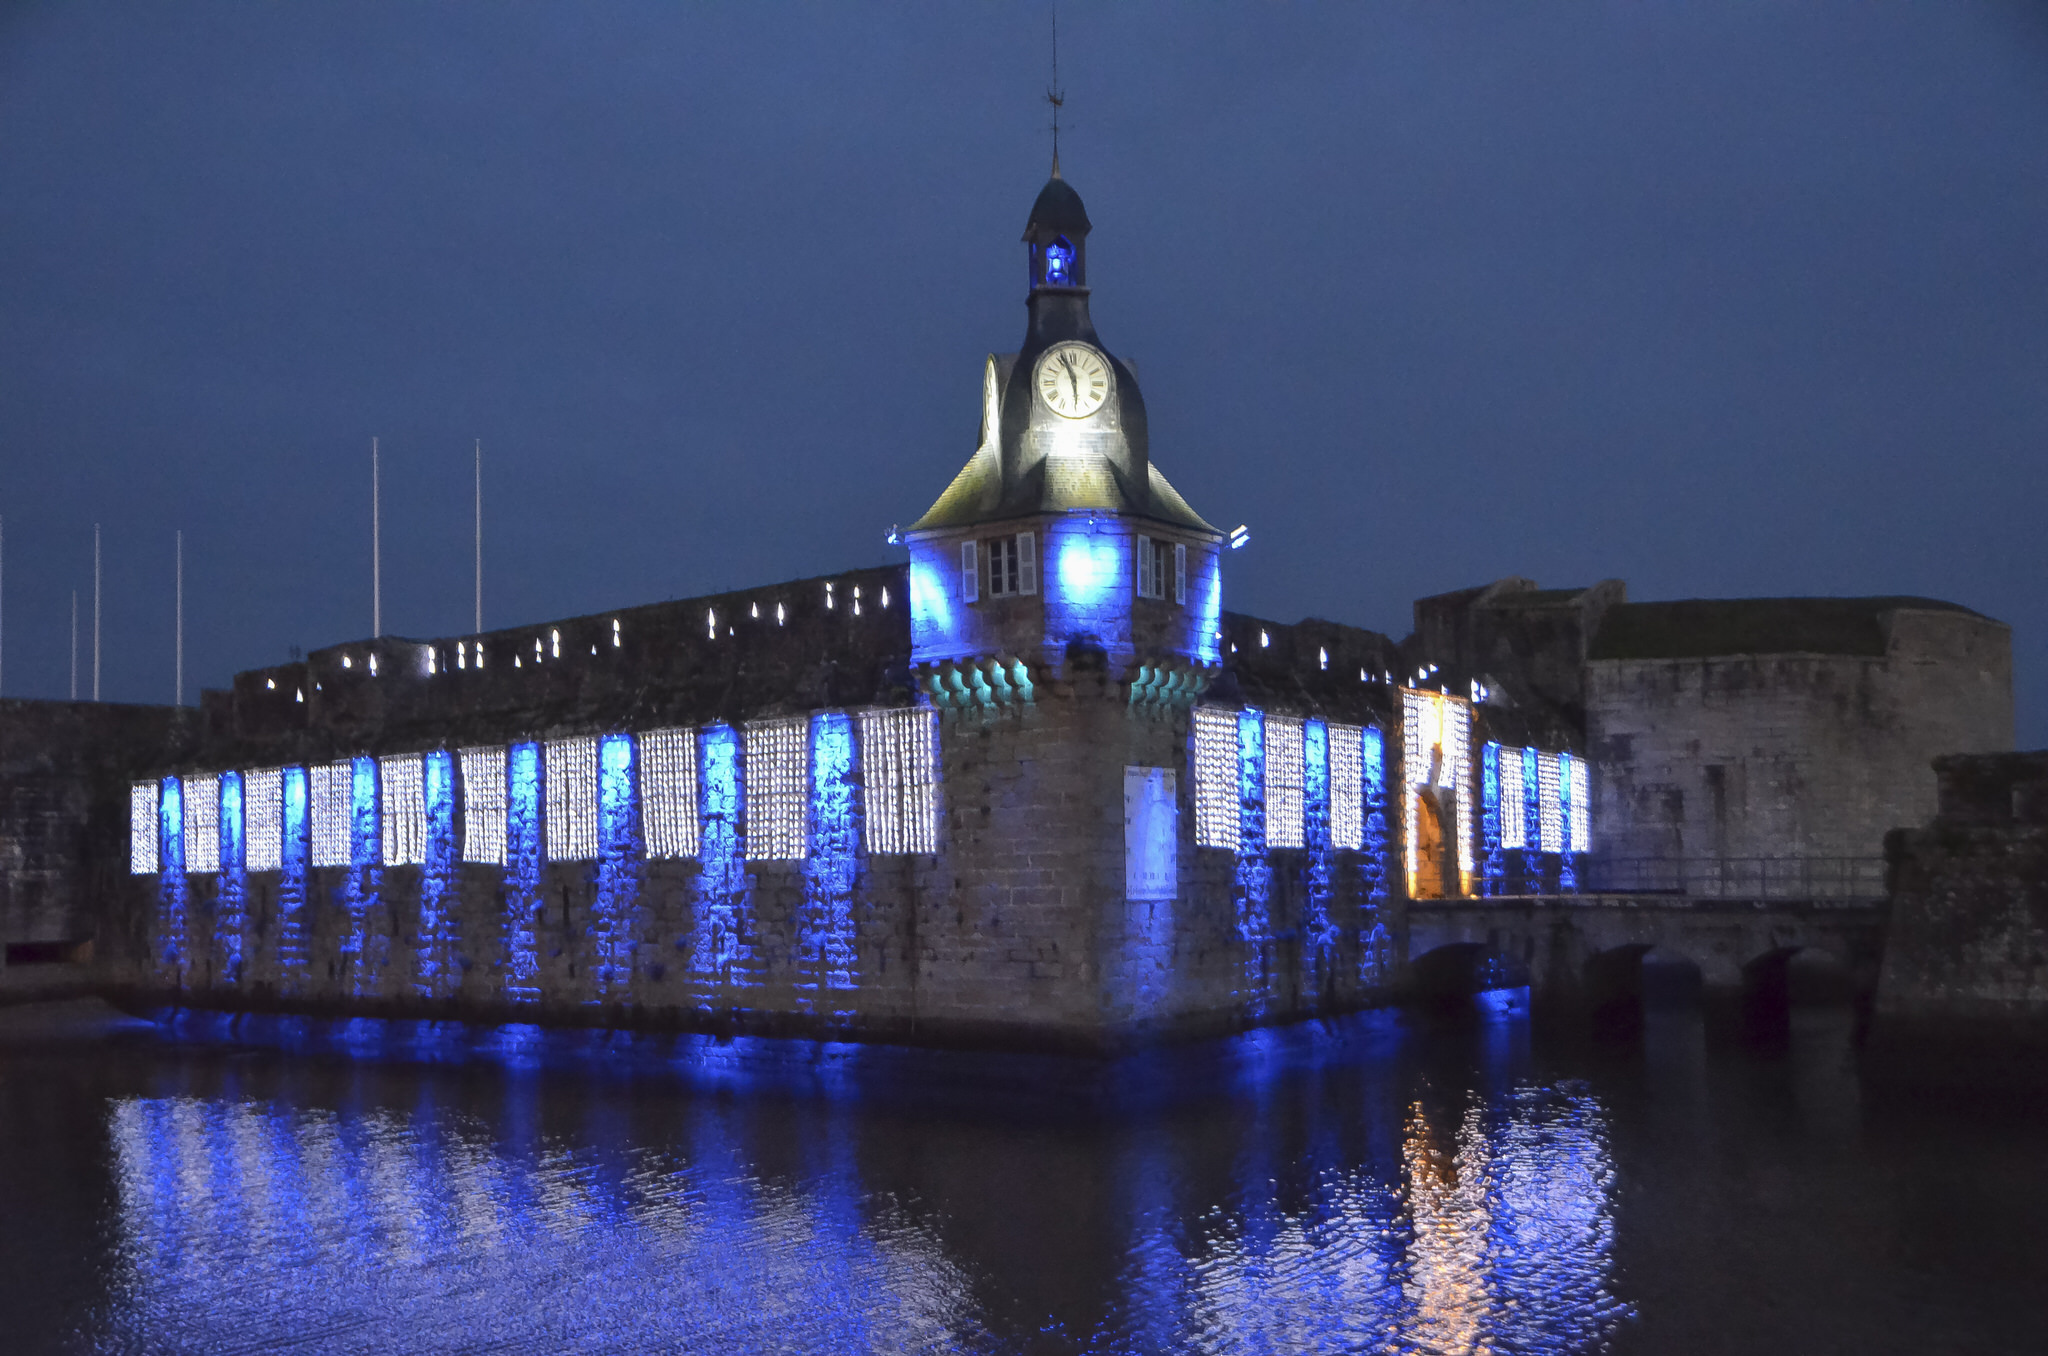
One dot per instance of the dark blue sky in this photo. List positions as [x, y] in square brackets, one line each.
[1720, 299]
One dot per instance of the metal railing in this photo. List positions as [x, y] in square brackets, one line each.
[1737, 877]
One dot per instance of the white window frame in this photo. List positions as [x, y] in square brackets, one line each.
[1012, 563]
[970, 571]
[1151, 567]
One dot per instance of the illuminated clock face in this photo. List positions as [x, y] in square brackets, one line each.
[1073, 380]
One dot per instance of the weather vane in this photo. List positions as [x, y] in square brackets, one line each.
[1054, 95]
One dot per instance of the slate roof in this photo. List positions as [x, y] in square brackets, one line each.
[1058, 211]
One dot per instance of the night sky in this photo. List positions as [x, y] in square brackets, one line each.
[1721, 299]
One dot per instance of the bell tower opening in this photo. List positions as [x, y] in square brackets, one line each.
[1056, 237]
[1059, 263]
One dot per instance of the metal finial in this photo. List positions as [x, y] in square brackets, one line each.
[1054, 95]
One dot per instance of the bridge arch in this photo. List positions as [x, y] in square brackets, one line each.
[1787, 978]
[1625, 983]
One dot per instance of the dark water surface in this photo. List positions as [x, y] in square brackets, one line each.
[1380, 1186]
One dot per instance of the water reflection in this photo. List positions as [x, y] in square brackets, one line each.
[1356, 1204]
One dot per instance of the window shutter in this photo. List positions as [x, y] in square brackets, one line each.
[970, 573]
[1180, 572]
[1145, 583]
[1027, 563]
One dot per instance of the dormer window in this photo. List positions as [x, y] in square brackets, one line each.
[1059, 263]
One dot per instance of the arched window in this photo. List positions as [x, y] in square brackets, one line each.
[1059, 262]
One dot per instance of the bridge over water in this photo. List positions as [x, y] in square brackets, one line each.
[1597, 950]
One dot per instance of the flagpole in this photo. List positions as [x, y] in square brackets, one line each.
[376, 549]
[179, 698]
[479, 536]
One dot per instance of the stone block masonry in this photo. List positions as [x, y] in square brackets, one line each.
[1968, 951]
[1015, 932]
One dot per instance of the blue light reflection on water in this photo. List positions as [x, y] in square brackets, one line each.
[1336, 1200]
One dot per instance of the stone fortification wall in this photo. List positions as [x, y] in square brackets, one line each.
[64, 769]
[1016, 930]
[838, 640]
[1969, 912]
[1808, 736]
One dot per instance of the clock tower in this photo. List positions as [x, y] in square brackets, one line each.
[1060, 536]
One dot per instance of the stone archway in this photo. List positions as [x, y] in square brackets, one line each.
[1626, 984]
[1431, 849]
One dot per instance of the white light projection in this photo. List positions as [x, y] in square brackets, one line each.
[1582, 807]
[142, 844]
[777, 781]
[332, 787]
[1347, 787]
[263, 814]
[668, 792]
[569, 771]
[1436, 735]
[899, 762]
[1218, 814]
[1513, 819]
[1546, 793]
[404, 827]
[202, 826]
[1284, 782]
[483, 805]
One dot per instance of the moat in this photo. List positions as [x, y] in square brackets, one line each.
[1383, 1183]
